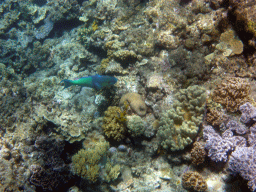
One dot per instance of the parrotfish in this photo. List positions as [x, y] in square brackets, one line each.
[97, 81]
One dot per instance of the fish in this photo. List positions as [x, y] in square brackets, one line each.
[96, 82]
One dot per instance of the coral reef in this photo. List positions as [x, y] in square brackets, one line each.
[198, 153]
[135, 125]
[231, 93]
[136, 103]
[155, 49]
[219, 146]
[215, 116]
[179, 125]
[86, 162]
[248, 113]
[194, 181]
[242, 161]
[114, 123]
[229, 44]
[50, 171]
[111, 172]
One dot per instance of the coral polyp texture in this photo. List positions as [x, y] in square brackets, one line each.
[219, 146]
[198, 153]
[243, 162]
[180, 125]
[248, 113]
[194, 181]
[231, 93]
[114, 123]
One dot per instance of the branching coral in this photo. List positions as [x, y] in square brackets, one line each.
[232, 93]
[86, 161]
[179, 125]
[114, 123]
[194, 181]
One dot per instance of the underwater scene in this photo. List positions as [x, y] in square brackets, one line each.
[127, 96]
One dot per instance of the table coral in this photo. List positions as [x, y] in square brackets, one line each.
[114, 123]
[179, 125]
[194, 181]
[136, 103]
[231, 93]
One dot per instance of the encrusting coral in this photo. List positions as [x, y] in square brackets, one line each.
[136, 103]
[230, 44]
[179, 125]
[231, 93]
[114, 123]
[198, 153]
[194, 181]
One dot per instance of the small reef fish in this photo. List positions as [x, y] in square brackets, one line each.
[97, 81]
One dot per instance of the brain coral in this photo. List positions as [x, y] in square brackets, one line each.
[114, 123]
[231, 93]
[179, 125]
[136, 103]
[193, 181]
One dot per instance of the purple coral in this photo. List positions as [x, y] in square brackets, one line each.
[237, 127]
[248, 113]
[217, 146]
[252, 136]
[243, 161]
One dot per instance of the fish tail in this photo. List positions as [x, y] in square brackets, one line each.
[67, 83]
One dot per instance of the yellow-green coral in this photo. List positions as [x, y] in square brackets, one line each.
[251, 26]
[111, 172]
[179, 125]
[114, 123]
[86, 161]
